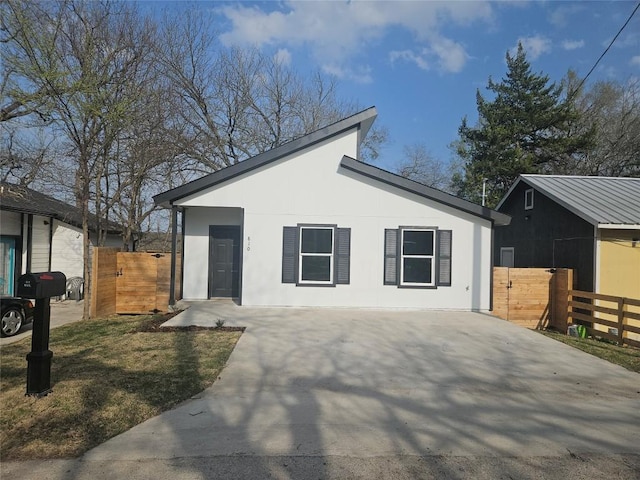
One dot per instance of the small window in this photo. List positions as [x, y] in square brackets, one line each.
[316, 255]
[528, 199]
[417, 265]
[507, 257]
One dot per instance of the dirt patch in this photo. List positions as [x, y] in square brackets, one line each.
[153, 325]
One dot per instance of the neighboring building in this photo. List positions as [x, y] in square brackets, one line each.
[589, 224]
[306, 224]
[40, 233]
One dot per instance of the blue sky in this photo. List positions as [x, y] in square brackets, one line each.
[421, 62]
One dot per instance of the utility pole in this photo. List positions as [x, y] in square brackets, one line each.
[484, 191]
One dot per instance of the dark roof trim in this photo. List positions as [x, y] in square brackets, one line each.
[363, 120]
[424, 191]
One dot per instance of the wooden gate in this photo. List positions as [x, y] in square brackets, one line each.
[142, 282]
[130, 282]
[532, 297]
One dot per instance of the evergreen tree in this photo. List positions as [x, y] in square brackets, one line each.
[526, 128]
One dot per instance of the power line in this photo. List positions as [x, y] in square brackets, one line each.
[604, 53]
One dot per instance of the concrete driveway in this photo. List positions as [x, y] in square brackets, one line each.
[62, 312]
[319, 393]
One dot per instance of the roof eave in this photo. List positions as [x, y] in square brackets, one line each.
[619, 226]
[497, 218]
[362, 120]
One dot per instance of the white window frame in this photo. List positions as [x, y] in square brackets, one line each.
[402, 256]
[528, 205]
[330, 255]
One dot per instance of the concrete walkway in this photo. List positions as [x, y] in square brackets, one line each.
[318, 393]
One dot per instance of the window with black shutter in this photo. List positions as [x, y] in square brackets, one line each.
[316, 255]
[418, 257]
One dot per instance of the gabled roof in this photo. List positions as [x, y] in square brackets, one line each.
[362, 120]
[598, 200]
[430, 193]
[16, 198]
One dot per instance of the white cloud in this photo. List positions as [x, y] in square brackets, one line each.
[451, 55]
[409, 56]
[533, 46]
[572, 44]
[338, 32]
[360, 75]
[560, 16]
[283, 57]
[448, 55]
[635, 61]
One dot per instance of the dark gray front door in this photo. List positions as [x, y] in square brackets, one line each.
[224, 261]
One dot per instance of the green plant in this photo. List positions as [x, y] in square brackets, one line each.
[219, 323]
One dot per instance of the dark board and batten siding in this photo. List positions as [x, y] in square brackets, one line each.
[548, 235]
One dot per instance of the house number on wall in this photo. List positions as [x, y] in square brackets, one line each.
[248, 244]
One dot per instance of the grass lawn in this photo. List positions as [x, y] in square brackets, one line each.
[107, 375]
[627, 357]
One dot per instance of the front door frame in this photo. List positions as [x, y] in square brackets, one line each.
[237, 233]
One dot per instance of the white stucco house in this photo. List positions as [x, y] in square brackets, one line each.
[39, 233]
[307, 224]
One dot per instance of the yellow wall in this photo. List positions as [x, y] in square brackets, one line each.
[620, 271]
[619, 268]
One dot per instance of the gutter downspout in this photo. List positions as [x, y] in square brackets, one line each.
[493, 233]
[50, 241]
[174, 234]
[596, 259]
[29, 241]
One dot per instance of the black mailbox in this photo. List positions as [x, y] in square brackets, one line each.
[41, 285]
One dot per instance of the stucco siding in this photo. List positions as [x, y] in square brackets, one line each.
[196, 246]
[311, 188]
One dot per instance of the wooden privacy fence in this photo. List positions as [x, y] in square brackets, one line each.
[607, 316]
[131, 282]
[532, 297]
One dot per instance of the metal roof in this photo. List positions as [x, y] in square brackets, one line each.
[598, 200]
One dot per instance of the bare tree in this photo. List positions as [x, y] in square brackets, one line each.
[612, 110]
[238, 103]
[25, 157]
[83, 56]
[419, 165]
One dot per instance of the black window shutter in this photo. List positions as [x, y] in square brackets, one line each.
[391, 256]
[444, 258]
[342, 256]
[290, 255]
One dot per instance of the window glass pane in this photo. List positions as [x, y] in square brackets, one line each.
[317, 240]
[416, 270]
[416, 242]
[316, 268]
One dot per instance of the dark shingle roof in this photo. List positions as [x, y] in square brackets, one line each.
[16, 198]
[598, 200]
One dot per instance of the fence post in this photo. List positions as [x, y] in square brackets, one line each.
[621, 321]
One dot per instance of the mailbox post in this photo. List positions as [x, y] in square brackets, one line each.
[41, 287]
